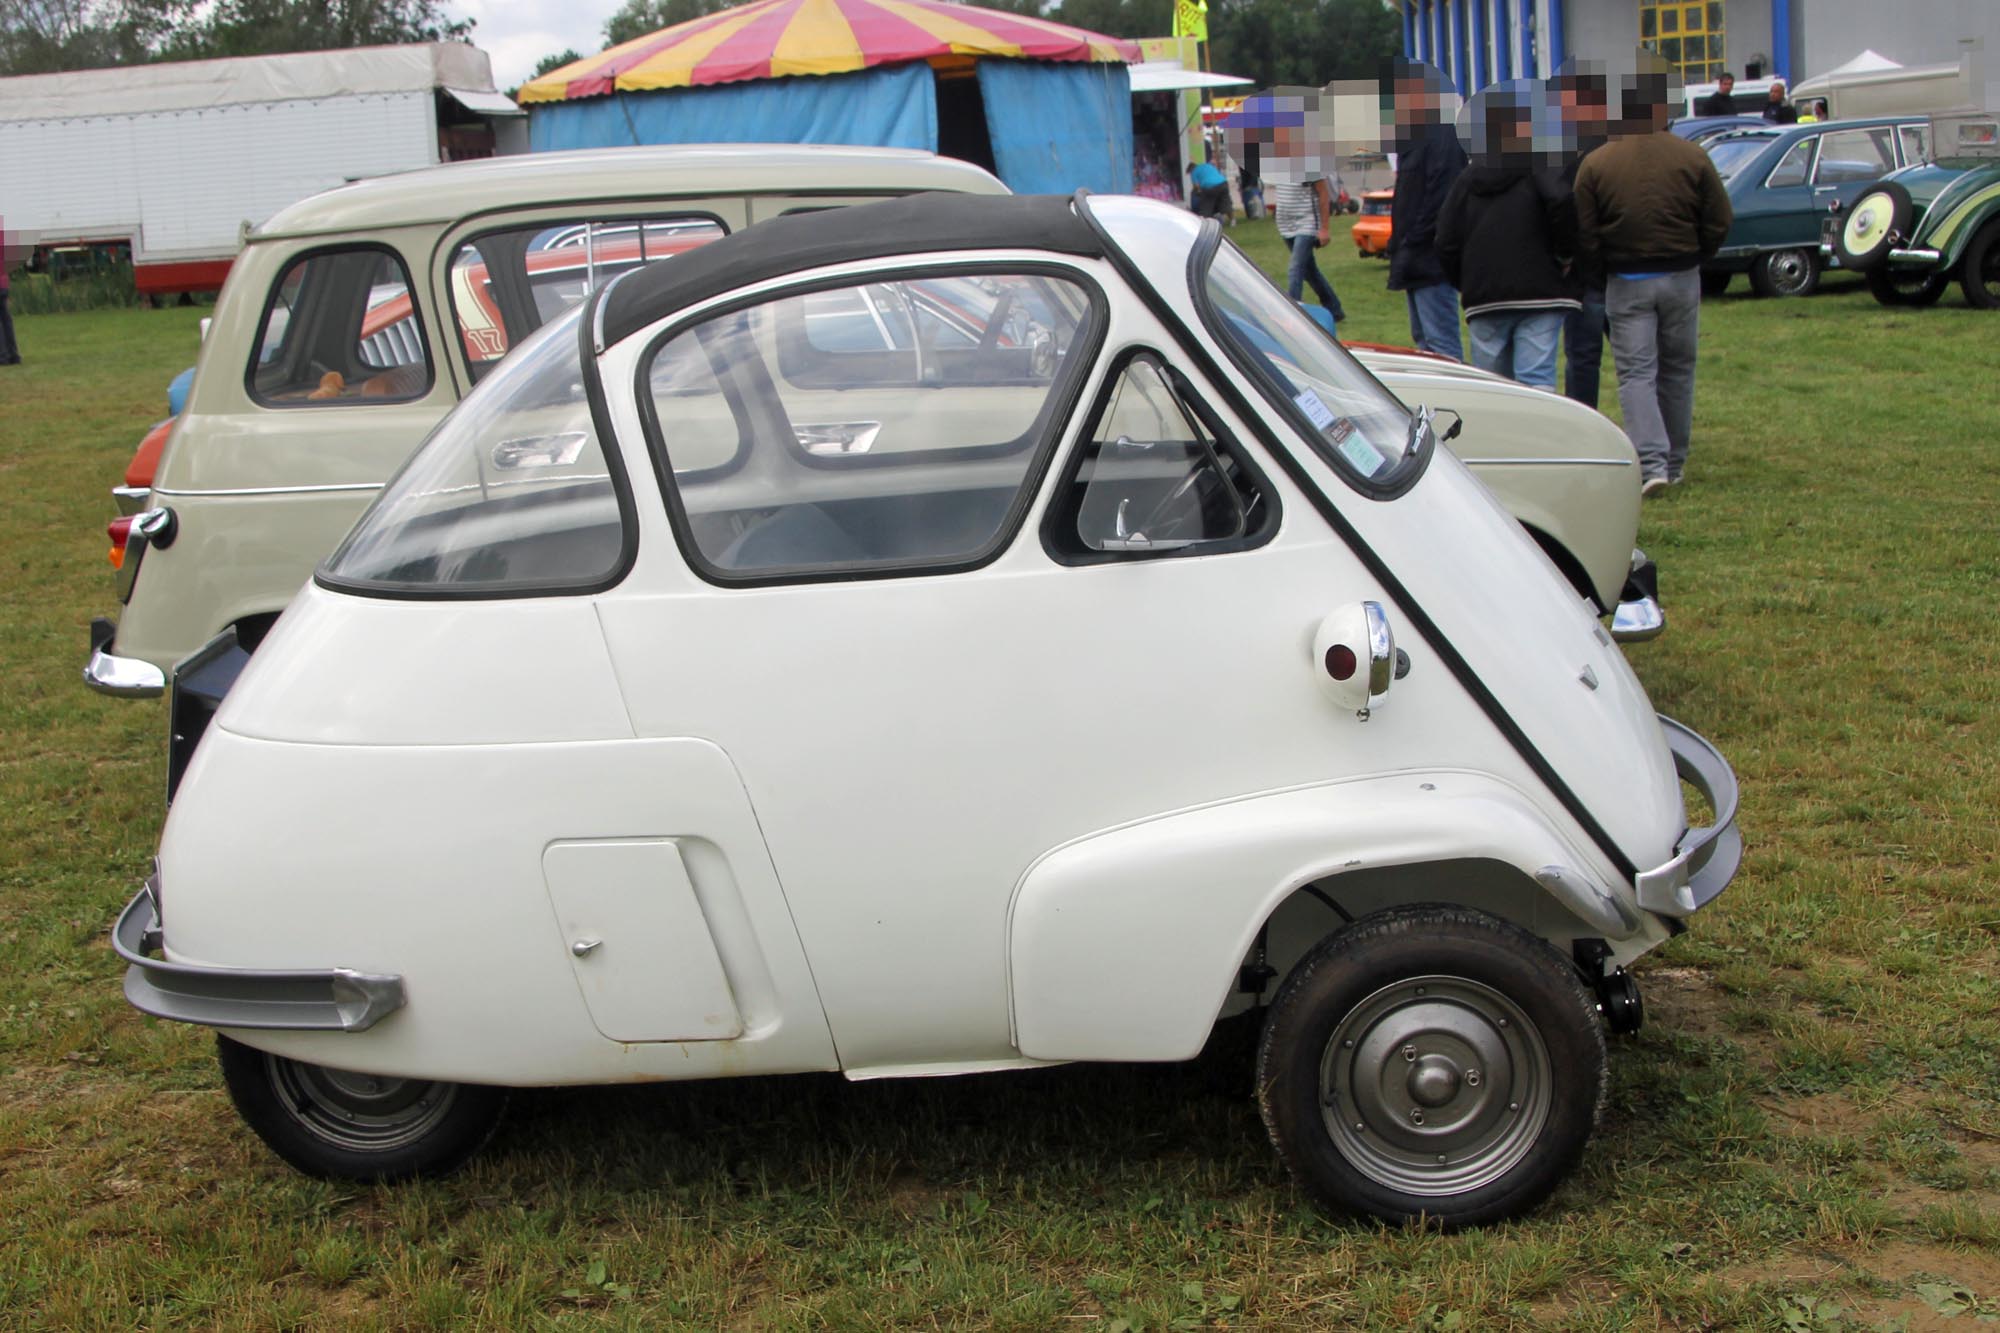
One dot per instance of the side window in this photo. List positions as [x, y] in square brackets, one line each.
[929, 332]
[1154, 479]
[340, 327]
[506, 284]
[1847, 156]
[866, 472]
[1795, 167]
[1916, 144]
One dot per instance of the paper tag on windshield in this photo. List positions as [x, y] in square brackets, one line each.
[1354, 447]
[1316, 412]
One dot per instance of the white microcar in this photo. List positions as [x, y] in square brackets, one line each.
[945, 635]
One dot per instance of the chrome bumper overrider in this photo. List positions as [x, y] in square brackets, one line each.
[124, 677]
[1706, 859]
[1638, 615]
[1914, 257]
[333, 999]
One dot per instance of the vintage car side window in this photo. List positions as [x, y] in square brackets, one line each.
[1153, 478]
[340, 328]
[506, 284]
[928, 331]
[511, 494]
[1794, 167]
[1846, 156]
[866, 473]
[1916, 144]
[1353, 421]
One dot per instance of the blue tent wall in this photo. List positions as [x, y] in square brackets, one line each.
[894, 107]
[1058, 126]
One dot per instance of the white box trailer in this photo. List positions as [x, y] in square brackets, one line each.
[168, 163]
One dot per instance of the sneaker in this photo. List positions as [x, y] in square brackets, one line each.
[1675, 478]
[1652, 486]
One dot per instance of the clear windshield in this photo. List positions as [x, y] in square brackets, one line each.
[511, 492]
[1358, 424]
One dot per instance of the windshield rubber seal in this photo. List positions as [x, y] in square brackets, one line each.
[1426, 628]
[621, 489]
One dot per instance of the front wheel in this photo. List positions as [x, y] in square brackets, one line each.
[1980, 273]
[347, 1126]
[1432, 1062]
[1918, 289]
[1786, 273]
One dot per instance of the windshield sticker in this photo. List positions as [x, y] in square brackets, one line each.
[1354, 446]
[1316, 412]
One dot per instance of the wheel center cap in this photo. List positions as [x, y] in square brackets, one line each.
[1433, 1081]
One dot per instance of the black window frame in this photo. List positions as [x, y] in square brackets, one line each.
[306, 256]
[1059, 538]
[1044, 435]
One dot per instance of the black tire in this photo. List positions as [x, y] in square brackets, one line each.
[1979, 271]
[1914, 289]
[1431, 989]
[1786, 273]
[1873, 225]
[352, 1127]
[1713, 283]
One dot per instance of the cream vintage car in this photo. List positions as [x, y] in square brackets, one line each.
[354, 320]
[939, 636]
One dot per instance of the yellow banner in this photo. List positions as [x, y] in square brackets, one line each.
[1191, 19]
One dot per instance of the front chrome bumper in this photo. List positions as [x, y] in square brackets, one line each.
[122, 677]
[1706, 858]
[333, 999]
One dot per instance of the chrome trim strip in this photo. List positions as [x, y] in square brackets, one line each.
[124, 677]
[334, 999]
[1573, 462]
[1707, 858]
[277, 490]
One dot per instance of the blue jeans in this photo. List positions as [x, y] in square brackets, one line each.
[1520, 344]
[1583, 348]
[1434, 319]
[1305, 269]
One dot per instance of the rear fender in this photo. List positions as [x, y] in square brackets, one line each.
[1126, 945]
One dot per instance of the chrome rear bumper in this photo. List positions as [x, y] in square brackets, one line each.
[332, 999]
[1706, 858]
[121, 677]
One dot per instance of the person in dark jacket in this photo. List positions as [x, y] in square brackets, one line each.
[10, 351]
[1582, 94]
[1777, 110]
[1428, 160]
[1650, 208]
[1721, 102]
[1506, 237]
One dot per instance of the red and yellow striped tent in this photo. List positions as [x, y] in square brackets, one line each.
[774, 38]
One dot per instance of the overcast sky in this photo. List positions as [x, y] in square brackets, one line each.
[518, 33]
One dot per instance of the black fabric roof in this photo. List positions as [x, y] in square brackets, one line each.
[914, 224]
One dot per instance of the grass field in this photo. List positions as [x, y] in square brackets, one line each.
[1806, 1136]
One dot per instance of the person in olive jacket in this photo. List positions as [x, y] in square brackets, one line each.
[1506, 238]
[1428, 160]
[1650, 208]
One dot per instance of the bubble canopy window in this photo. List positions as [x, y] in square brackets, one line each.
[512, 494]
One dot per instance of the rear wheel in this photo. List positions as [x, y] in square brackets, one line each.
[1432, 1062]
[1892, 288]
[1786, 273]
[1979, 273]
[332, 1123]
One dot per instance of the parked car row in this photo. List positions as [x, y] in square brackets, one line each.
[944, 634]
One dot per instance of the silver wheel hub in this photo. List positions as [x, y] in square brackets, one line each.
[1789, 269]
[361, 1112]
[1435, 1086]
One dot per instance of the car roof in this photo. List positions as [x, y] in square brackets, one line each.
[462, 189]
[917, 224]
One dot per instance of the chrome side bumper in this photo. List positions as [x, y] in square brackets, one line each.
[1707, 858]
[334, 999]
[1914, 257]
[122, 677]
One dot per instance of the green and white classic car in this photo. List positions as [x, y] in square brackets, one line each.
[1916, 229]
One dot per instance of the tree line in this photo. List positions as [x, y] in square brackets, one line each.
[1270, 42]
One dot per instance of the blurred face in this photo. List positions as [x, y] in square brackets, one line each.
[1726, 82]
[1777, 92]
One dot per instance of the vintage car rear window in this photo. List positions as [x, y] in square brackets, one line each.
[511, 494]
[1356, 422]
[340, 328]
[866, 428]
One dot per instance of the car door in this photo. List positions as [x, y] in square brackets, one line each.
[1057, 589]
[1779, 210]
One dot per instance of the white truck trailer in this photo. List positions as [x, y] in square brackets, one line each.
[167, 163]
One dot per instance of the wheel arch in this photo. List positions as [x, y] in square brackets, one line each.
[1129, 944]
